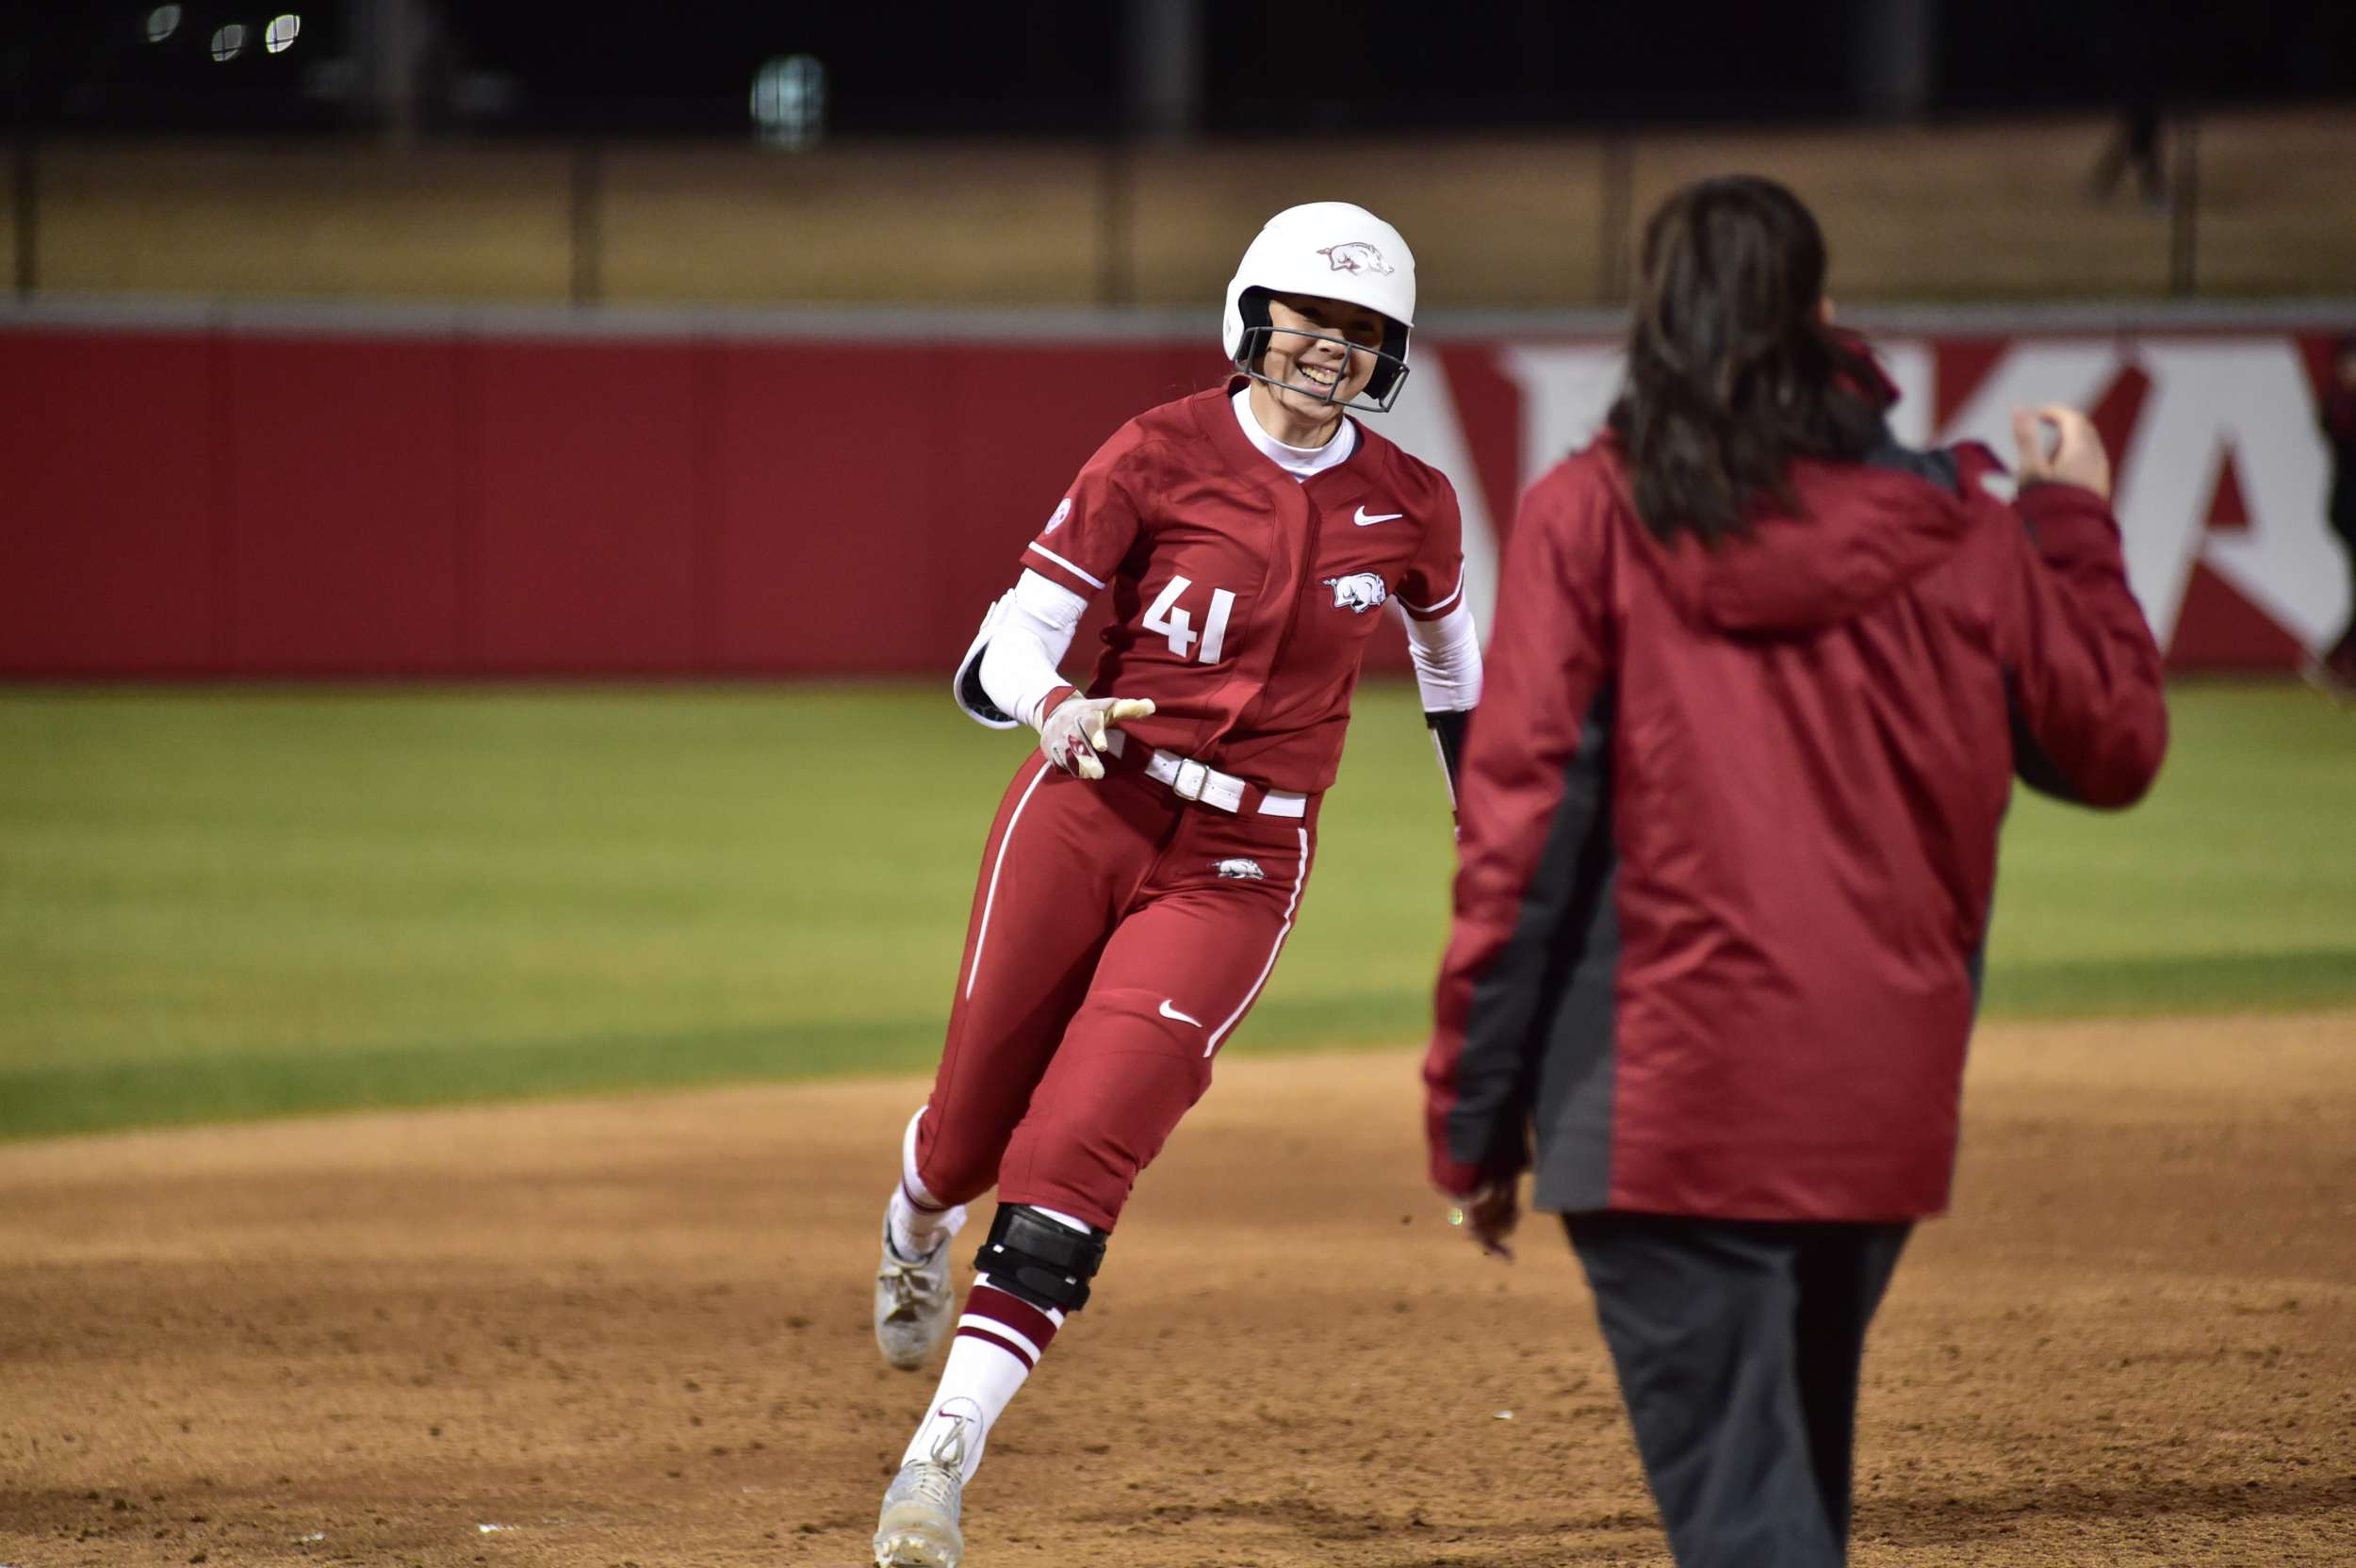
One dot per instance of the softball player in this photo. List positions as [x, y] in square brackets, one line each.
[1145, 866]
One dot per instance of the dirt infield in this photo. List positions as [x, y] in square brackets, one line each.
[636, 1331]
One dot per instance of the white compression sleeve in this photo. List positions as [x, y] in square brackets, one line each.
[1034, 632]
[1447, 653]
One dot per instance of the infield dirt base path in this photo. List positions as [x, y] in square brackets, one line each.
[636, 1331]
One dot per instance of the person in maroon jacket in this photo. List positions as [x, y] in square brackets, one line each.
[1760, 684]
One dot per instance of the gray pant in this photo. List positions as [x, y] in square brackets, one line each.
[1738, 1346]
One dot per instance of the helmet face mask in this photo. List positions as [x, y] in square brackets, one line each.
[1382, 384]
[1330, 250]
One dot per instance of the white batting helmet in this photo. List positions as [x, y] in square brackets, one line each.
[1334, 250]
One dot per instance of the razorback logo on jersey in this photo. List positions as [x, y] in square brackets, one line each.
[1358, 592]
[1063, 510]
[1355, 255]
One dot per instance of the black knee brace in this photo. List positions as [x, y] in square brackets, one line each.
[1043, 1261]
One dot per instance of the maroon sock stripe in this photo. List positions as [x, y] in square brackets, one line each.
[1015, 1313]
[917, 1202]
[1008, 1345]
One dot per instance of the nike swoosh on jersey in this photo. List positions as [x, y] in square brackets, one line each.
[1168, 1011]
[1365, 519]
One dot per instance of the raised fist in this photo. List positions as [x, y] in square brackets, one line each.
[2077, 457]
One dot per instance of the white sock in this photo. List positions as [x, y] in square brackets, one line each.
[999, 1339]
[915, 1231]
[916, 1216]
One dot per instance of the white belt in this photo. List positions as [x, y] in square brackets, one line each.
[1199, 781]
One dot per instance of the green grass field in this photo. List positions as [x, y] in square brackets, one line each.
[216, 904]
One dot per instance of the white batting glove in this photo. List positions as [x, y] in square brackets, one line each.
[1073, 735]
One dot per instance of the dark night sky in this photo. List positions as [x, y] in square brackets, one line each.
[1053, 67]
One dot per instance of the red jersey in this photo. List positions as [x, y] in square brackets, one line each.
[1242, 598]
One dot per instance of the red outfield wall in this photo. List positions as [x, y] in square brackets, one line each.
[252, 501]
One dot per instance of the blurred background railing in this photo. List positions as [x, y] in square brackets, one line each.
[2258, 202]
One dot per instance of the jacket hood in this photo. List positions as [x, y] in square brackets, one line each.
[1859, 533]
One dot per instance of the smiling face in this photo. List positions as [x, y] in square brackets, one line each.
[1314, 374]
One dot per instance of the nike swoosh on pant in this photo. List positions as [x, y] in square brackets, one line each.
[1168, 1011]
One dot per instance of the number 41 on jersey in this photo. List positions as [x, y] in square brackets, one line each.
[1163, 616]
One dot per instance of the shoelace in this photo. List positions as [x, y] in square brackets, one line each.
[937, 1484]
[949, 1449]
[909, 1285]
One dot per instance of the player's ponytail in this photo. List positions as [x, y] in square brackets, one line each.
[1732, 370]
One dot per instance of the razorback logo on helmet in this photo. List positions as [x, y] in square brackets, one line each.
[1358, 592]
[1354, 256]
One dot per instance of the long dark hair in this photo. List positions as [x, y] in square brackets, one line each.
[1733, 371]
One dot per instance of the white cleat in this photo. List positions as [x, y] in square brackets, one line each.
[919, 1524]
[915, 1304]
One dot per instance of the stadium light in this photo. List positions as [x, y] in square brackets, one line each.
[229, 42]
[162, 22]
[280, 35]
[790, 100]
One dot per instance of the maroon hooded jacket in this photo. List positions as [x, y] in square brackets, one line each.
[1729, 828]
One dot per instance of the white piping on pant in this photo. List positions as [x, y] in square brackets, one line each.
[1299, 876]
[913, 1184]
[1004, 842]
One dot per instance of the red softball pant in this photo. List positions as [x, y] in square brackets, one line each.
[1119, 935]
